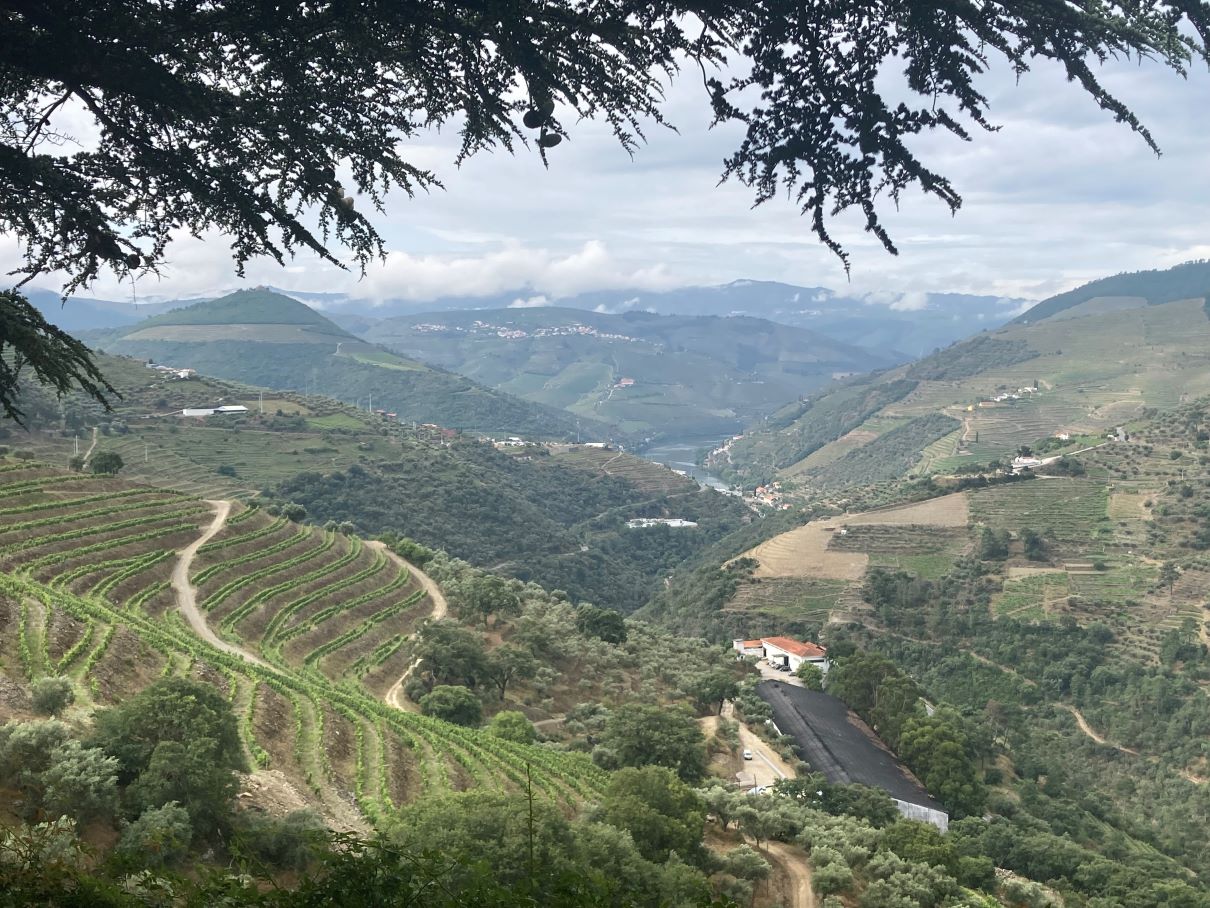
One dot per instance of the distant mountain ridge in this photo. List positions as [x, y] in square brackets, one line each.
[890, 324]
[264, 338]
[683, 375]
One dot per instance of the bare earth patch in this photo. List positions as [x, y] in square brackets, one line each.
[947, 511]
[1129, 505]
[1016, 570]
[804, 552]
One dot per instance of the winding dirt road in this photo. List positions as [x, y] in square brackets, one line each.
[394, 697]
[794, 863]
[186, 592]
[1088, 730]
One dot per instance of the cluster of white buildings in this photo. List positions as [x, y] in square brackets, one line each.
[507, 333]
[173, 371]
[674, 522]
[213, 411]
[1003, 396]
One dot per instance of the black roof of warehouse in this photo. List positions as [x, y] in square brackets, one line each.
[838, 744]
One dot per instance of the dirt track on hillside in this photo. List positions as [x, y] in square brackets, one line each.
[1088, 730]
[797, 869]
[394, 697]
[186, 592]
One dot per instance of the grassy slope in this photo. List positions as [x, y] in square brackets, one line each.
[1094, 373]
[262, 338]
[692, 375]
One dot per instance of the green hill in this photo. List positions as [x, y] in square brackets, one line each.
[1151, 288]
[1082, 371]
[259, 306]
[266, 339]
[652, 374]
[1065, 615]
[553, 514]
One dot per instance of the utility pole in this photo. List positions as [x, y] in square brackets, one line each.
[262, 403]
[77, 444]
[371, 406]
[145, 452]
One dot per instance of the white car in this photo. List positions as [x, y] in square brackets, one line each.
[747, 755]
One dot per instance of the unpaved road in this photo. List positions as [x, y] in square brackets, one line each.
[793, 863]
[767, 767]
[394, 697]
[1088, 730]
[91, 447]
[186, 592]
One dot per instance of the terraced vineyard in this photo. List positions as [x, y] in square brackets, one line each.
[186, 454]
[801, 599]
[642, 474]
[85, 565]
[1074, 512]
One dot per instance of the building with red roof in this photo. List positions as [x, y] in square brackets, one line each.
[778, 651]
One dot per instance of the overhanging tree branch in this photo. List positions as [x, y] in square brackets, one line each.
[238, 118]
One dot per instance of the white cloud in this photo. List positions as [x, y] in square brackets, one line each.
[591, 267]
[624, 306]
[914, 301]
[1060, 195]
[533, 302]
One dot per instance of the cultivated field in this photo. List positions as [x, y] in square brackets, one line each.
[822, 549]
[85, 590]
[642, 474]
[1072, 512]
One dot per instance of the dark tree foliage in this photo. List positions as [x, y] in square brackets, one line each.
[176, 710]
[640, 734]
[29, 341]
[107, 462]
[602, 623]
[244, 118]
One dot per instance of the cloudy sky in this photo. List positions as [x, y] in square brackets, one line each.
[1058, 196]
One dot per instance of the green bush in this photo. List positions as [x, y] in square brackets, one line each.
[52, 695]
[108, 463]
[453, 704]
[512, 725]
[160, 837]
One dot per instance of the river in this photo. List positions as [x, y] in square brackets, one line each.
[681, 454]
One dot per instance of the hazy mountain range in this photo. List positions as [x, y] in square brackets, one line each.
[893, 326]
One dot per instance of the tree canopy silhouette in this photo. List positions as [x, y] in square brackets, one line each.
[248, 118]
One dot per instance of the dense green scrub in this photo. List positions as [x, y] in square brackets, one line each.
[532, 518]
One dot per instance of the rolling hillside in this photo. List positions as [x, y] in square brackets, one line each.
[308, 607]
[1065, 610]
[266, 339]
[310, 632]
[650, 374]
[346, 464]
[1081, 365]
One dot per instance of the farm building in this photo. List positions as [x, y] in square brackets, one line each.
[784, 651]
[835, 742]
[213, 411]
[676, 523]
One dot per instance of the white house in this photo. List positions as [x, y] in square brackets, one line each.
[784, 651]
[749, 648]
[211, 411]
[1025, 463]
